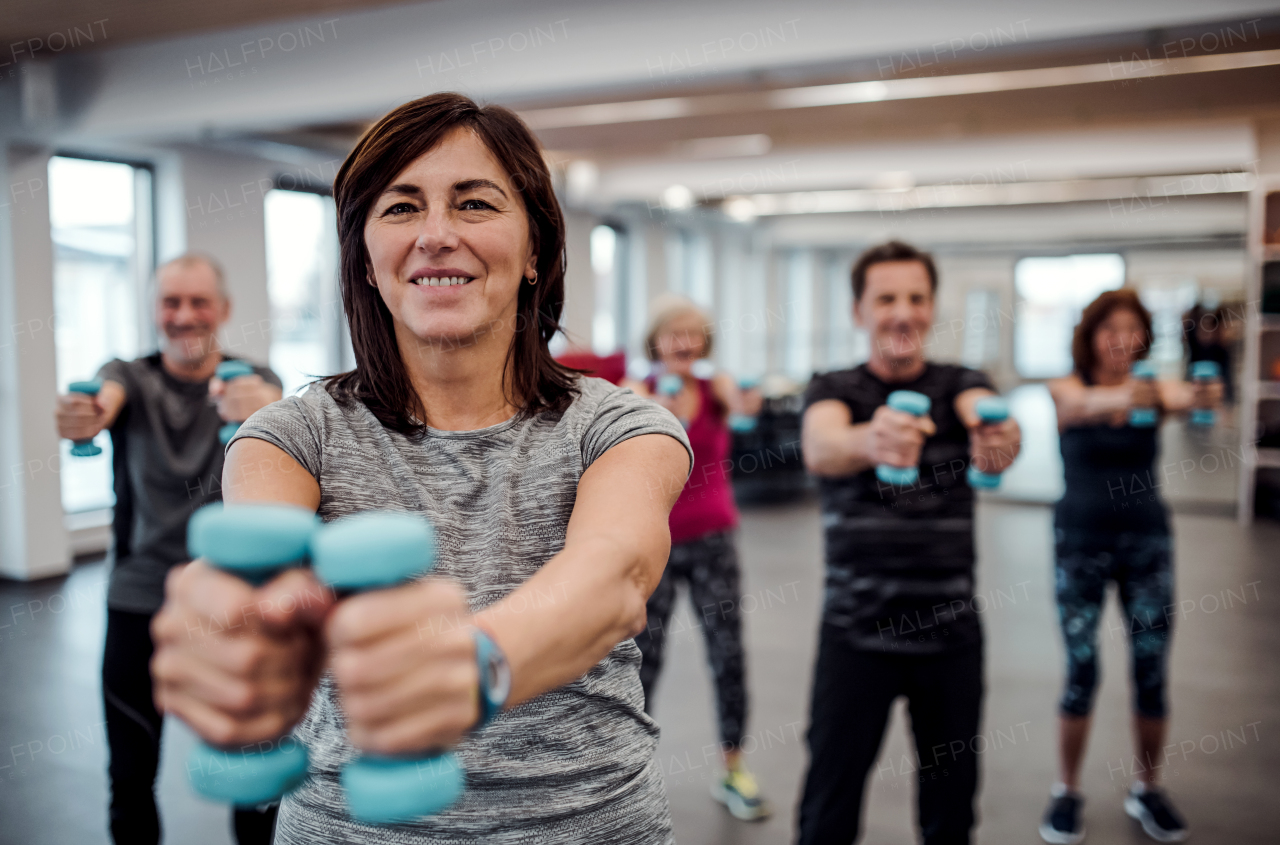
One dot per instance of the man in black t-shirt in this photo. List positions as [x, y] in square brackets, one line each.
[898, 616]
[163, 411]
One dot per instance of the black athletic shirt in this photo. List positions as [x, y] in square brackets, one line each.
[900, 559]
[1112, 485]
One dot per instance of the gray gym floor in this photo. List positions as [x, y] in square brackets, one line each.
[1224, 687]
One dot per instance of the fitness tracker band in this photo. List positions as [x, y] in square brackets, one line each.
[495, 677]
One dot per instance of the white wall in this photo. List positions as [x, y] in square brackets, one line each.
[33, 541]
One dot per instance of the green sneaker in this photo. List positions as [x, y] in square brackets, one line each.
[737, 790]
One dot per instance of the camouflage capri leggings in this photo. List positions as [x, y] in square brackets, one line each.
[1141, 565]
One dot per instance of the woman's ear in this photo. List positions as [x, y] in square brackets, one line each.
[531, 267]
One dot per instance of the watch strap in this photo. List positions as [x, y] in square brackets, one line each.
[495, 677]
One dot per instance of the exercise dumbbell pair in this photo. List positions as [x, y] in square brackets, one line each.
[990, 409]
[363, 552]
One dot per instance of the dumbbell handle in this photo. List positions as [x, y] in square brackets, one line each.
[229, 371]
[1204, 372]
[253, 542]
[916, 404]
[374, 551]
[85, 448]
[1143, 417]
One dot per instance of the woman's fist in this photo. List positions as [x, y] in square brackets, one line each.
[404, 660]
[237, 663]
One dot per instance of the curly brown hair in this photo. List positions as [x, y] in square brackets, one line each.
[1095, 313]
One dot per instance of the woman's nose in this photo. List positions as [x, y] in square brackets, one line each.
[437, 233]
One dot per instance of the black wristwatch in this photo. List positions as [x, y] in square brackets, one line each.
[495, 678]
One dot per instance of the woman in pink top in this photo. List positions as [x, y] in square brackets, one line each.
[702, 549]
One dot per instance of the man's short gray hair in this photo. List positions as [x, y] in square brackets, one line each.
[192, 259]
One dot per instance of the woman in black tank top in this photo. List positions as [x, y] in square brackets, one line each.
[1111, 525]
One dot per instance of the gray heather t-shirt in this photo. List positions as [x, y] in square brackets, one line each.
[168, 464]
[574, 765]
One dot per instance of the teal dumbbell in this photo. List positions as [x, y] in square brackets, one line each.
[253, 542]
[916, 404]
[670, 384]
[741, 423]
[990, 409]
[227, 371]
[1202, 372]
[85, 448]
[1143, 417]
[372, 551]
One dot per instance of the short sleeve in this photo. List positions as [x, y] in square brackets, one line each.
[117, 371]
[967, 379]
[289, 425]
[621, 415]
[824, 386]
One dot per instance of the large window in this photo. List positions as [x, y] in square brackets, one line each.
[1052, 293]
[100, 223]
[609, 323]
[308, 337]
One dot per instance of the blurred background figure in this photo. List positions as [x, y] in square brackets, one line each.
[1208, 337]
[164, 412]
[899, 617]
[703, 556]
[1111, 525]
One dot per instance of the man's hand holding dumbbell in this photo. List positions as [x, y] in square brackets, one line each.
[895, 438]
[239, 398]
[993, 446]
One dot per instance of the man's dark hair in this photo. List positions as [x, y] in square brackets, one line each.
[890, 251]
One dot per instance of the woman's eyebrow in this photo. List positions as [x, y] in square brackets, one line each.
[403, 188]
[476, 184]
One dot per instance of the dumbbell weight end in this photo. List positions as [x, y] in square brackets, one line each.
[247, 778]
[385, 790]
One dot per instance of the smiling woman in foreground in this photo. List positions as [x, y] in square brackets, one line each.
[549, 493]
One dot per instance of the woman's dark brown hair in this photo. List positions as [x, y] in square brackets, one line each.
[1094, 314]
[380, 380]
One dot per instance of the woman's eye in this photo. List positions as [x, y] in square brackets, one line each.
[475, 205]
[400, 208]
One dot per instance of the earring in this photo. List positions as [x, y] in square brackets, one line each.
[534, 280]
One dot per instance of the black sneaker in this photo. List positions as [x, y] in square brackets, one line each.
[1153, 811]
[1062, 824]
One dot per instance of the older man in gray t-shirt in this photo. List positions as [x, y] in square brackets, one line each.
[164, 412]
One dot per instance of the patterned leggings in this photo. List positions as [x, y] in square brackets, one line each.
[1142, 567]
[709, 565]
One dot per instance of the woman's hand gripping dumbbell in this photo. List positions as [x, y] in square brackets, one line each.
[407, 664]
[236, 658]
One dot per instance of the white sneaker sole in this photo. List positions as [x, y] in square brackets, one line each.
[1135, 810]
[734, 805]
[1058, 837]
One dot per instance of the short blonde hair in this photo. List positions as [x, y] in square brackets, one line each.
[668, 307]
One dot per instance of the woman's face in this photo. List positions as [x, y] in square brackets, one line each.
[449, 247]
[680, 343]
[1118, 341]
